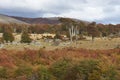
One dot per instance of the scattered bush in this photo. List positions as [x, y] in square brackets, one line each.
[59, 69]
[84, 70]
[7, 35]
[3, 72]
[44, 74]
[23, 71]
[25, 38]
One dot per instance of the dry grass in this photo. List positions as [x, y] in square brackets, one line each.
[87, 44]
[99, 43]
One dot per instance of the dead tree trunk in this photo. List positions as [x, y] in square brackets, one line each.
[76, 34]
[73, 31]
[70, 32]
[14, 30]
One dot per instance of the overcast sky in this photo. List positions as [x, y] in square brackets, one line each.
[102, 11]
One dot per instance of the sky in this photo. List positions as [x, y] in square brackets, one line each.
[100, 11]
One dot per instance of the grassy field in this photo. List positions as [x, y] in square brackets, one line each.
[87, 44]
[99, 43]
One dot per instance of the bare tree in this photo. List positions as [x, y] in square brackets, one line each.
[14, 30]
[73, 31]
[77, 32]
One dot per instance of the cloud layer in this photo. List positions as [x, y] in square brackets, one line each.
[105, 11]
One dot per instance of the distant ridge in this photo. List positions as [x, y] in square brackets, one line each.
[51, 20]
[6, 20]
[38, 20]
[23, 20]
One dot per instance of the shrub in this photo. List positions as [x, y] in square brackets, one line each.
[110, 73]
[25, 37]
[57, 36]
[44, 74]
[3, 72]
[7, 35]
[84, 70]
[23, 71]
[95, 75]
[59, 69]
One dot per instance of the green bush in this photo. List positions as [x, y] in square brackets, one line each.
[84, 70]
[25, 38]
[3, 72]
[59, 69]
[95, 75]
[23, 71]
[44, 74]
[110, 73]
[7, 35]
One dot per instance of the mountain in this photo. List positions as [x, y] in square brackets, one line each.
[6, 19]
[38, 20]
[51, 20]
[23, 20]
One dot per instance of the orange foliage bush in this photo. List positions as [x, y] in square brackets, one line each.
[13, 59]
[9, 58]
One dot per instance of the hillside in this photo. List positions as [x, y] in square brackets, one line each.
[6, 20]
[50, 20]
[38, 20]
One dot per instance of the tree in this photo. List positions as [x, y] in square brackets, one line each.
[73, 31]
[25, 38]
[71, 26]
[93, 31]
[7, 34]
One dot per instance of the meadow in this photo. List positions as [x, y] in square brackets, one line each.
[99, 43]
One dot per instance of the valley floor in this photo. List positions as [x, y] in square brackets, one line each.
[99, 43]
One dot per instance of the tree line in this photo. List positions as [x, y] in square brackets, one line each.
[87, 29]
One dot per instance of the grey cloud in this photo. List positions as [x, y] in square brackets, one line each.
[90, 10]
[21, 13]
[114, 2]
[113, 20]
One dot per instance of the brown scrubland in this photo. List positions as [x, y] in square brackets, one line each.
[55, 64]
